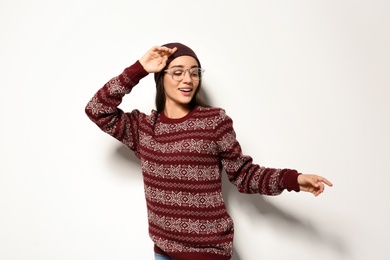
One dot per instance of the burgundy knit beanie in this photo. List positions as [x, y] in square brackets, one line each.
[182, 50]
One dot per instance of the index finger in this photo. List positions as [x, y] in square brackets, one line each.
[324, 180]
[168, 50]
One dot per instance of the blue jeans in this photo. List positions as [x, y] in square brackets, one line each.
[161, 257]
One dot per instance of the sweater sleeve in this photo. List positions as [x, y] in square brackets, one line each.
[242, 172]
[103, 109]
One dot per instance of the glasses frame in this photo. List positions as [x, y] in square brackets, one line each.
[170, 72]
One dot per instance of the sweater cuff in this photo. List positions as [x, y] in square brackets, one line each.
[136, 71]
[291, 180]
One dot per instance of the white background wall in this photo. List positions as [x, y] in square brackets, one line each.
[307, 84]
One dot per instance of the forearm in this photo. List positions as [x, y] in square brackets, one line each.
[242, 172]
[252, 178]
[103, 109]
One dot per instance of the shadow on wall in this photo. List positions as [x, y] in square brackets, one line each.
[124, 156]
[265, 209]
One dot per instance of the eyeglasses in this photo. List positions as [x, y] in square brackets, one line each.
[178, 73]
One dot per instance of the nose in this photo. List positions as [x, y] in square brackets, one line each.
[187, 76]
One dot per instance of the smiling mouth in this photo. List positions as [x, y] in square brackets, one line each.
[185, 89]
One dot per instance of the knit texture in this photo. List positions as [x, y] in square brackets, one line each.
[182, 160]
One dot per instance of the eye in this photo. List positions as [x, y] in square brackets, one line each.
[195, 73]
[177, 72]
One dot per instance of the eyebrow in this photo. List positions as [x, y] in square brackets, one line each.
[181, 66]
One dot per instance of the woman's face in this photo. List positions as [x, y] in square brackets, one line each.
[180, 93]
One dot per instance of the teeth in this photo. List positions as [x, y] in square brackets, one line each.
[185, 89]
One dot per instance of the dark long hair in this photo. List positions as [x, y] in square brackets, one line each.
[197, 100]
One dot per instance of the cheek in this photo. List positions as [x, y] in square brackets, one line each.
[169, 82]
[196, 85]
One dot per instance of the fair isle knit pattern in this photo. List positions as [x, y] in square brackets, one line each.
[182, 160]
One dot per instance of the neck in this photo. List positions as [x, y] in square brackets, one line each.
[175, 112]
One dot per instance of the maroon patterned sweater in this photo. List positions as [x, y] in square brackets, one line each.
[182, 160]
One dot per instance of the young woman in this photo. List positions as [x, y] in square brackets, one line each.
[183, 147]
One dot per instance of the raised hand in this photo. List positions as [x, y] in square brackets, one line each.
[156, 58]
[313, 183]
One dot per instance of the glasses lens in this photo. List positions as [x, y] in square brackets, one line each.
[177, 74]
[195, 74]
